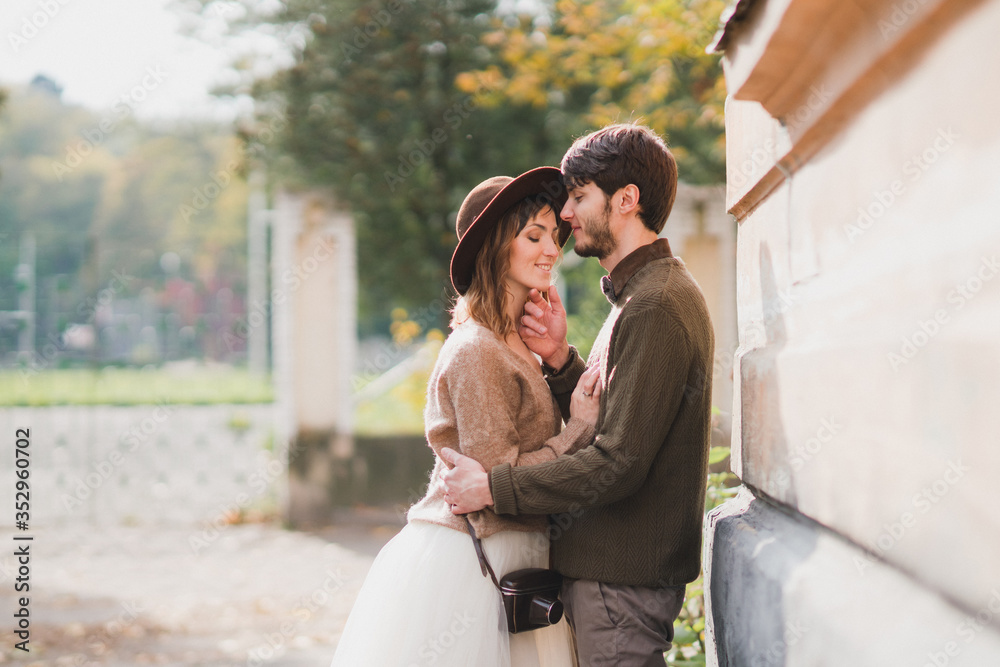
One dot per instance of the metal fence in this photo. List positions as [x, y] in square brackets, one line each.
[173, 464]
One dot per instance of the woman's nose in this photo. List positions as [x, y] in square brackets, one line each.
[551, 248]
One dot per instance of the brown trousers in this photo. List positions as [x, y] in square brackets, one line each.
[621, 626]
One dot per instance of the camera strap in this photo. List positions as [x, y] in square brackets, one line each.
[483, 563]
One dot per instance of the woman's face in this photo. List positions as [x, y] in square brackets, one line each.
[533, 254]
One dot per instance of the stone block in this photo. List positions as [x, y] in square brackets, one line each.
[786, 591]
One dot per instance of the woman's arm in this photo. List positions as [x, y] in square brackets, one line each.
[484, 396]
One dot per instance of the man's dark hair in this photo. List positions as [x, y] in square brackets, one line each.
[617, 155]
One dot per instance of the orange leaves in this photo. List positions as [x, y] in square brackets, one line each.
[622, 49]
[614, 60]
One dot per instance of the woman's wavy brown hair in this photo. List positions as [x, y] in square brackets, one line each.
[487, 295]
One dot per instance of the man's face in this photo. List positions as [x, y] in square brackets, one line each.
[588, 211]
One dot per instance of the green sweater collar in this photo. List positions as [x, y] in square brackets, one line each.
[614, 283]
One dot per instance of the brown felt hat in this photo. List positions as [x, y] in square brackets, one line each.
[487, 203]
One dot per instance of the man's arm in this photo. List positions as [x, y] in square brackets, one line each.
[467, 487]
[485, 413]
[648, 365]
[563, 381]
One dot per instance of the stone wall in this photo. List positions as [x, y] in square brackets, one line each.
[863, 154]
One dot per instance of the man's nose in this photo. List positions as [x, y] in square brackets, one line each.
[567, 211]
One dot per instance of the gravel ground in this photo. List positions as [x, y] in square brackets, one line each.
[254, 594]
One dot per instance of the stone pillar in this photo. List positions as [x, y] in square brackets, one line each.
[315, 344]
[703, 234]
[863, 153]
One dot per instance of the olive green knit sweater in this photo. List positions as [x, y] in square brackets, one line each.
[628, 509]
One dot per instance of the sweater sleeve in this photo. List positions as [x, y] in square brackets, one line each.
[486, 401]
[563, 381]
[648, 362]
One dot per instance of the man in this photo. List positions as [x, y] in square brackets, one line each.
[627, 510]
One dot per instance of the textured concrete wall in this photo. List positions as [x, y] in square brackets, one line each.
[863, 159]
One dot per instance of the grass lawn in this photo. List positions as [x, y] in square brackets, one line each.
[398, 408]
[395, 409]
[133, 386]
[399, 411]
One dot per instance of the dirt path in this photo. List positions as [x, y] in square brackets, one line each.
[245, 595]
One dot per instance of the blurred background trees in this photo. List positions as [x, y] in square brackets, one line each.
[398, 107]
[108, 202]
[402, 107]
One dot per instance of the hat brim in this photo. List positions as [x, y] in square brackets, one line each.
[541, 180]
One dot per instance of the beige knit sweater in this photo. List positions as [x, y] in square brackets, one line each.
[487, 402]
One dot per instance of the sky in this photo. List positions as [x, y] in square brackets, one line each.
[101, 51]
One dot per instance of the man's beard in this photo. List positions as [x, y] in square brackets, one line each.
[601, 243]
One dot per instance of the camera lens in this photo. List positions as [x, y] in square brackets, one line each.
[545, 611]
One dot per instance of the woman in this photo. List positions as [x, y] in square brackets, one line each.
[426, 601]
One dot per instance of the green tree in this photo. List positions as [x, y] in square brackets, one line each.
[400, 107]
[589, 64]
[35, 129]
[105, 195]
[374, 114]
[609, 61]
[175, 191]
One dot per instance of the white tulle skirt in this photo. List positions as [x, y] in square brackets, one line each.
[426, 602]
